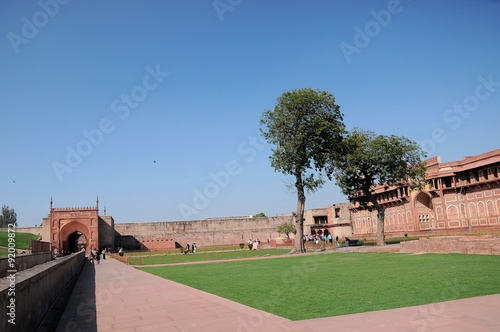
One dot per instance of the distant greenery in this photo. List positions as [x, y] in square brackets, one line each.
[23, 240]
[342, 283]
[207, 256]
[8, 216]
[260, 215]
[286, 228]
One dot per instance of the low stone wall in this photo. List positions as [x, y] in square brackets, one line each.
[489, 245]
[123, 259]
[24, 262]
[27, 296]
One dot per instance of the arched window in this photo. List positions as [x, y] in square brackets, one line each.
[423, 204]
[439, 213]
[481, 209]
[452, 212]
[472, 210]
[490, 209]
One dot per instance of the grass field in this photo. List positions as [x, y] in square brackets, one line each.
[205, 256]
[23, 240]
[304, 287]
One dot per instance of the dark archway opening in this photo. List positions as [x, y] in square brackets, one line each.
[76, 241]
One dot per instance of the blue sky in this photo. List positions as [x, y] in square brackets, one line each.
[155, 105]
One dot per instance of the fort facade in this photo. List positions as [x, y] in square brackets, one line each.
[462, 197]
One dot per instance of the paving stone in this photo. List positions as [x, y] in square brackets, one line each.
[117, 297]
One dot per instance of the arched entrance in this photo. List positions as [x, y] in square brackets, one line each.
[424, 211]
[75, 235]
[76, 241]
[73, 228]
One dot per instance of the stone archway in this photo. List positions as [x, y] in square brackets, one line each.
[424, 211]
[71, 232]
[67, 225]
[76, 241]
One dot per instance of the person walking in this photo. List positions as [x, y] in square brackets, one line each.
[98, 257]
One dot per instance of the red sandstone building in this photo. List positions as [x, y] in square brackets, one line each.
[70, 229]
[461, 197]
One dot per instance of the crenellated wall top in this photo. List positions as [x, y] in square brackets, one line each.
[75, 209]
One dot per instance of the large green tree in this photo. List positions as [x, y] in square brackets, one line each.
[306, 128]
[8, 216]
[372, 160]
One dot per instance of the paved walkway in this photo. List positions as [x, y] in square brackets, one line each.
[113, 296]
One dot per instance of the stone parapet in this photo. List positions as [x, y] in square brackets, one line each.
[31, 293]
[488, 245]
[24, 262]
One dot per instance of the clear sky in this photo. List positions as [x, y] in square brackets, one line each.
[155, 105]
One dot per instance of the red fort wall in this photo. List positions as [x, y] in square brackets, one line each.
[462, 197]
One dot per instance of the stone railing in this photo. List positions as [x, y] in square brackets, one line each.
[25, 297]
[23, 262]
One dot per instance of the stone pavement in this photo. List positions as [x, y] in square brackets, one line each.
[113, 296]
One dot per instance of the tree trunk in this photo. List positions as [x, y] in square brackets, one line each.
[299, 218]
[380, 217]
[380, 225]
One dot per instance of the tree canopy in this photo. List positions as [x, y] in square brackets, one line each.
[306, 128]
[286, 228]
[371, 159]
[8, 216]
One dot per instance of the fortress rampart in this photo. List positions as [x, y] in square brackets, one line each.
[205, 232]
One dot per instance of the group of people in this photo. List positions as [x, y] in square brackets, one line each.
[59, 253]
[253, 245]
[95, 254]
[190, 248]
[316, 238]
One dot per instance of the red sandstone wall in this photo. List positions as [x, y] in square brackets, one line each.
[207, 232]
[454, 244]
[157, 244]
[474, 211]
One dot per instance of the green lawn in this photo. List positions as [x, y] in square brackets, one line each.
[23, 240]
[304, 287]
[205, 256]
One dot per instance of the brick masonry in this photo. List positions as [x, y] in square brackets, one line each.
[488, 245]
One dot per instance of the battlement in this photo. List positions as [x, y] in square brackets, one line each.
[74, 209]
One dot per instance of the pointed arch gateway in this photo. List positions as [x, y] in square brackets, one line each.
[424, 211]
[74, 236]
[75, 227]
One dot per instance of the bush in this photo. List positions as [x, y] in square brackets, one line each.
[242, 245]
